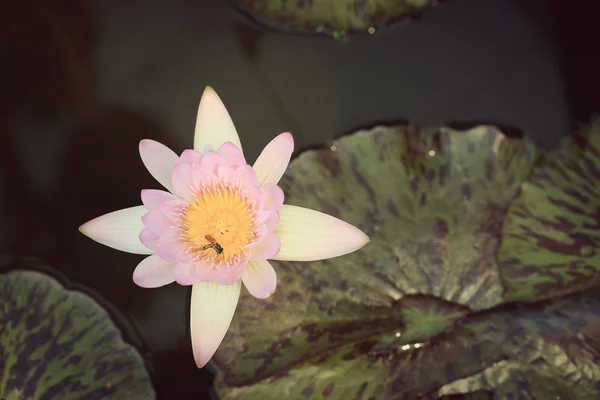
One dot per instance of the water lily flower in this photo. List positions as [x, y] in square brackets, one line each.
[218, 224]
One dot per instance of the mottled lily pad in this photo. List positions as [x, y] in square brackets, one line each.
[421, 312]
[335, 18]
[551, 238]
[524, 353]
[433, 204]
[515, 379]
[60, 344]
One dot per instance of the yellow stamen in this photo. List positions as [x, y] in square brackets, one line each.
[220, 216]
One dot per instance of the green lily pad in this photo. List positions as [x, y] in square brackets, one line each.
[60, 344]
[552, 234]
[517, 380]
[433, 204]
[526, 352]
[460, 222]
[335, 18]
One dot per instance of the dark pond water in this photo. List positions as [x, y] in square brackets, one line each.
[84, 81]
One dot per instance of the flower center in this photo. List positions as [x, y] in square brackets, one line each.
[219, 224]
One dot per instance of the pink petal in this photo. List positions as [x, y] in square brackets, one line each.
[190, 157]
[157, 222]
[148, 238]
[168, 246]
[119, 230]
[260, 279]
[153, 272]
[261, 216]
[213, 124]
[232, 154]
[172, 209]
[191, 273]
[274, 159]
[159, 161]
[211, 161]
[272, 221]
[182, 181]
[245, 176]
[254, 195]
[226, 175]
[212, 310]
[187, 256]
[153, 198]
[202, 177]
[272, 196]
[266, 249]
[308, 235]
[232, 276]
[260, 232]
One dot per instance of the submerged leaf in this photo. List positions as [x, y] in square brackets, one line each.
[552, 234]
[60, 344]
[336, 18]
[433, 204]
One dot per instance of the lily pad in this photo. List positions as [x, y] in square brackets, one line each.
[517, 380]
[421, 312]
[552, 234]
[60, 344]
[525, 353]
[432, 202]
[335, 18]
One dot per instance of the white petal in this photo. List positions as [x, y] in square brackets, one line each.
[159, 161]
[308, 235]
[213, 124]
[260, 279]
[274, 159]
[153, 272]
[211, 313]
[119, 230]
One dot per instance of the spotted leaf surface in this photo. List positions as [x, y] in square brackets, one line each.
[552, 234]
[506, 352]
[514, 379]
[60, 344]
[335, 18]
[433, 204]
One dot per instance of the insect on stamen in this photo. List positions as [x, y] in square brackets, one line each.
[213, 244]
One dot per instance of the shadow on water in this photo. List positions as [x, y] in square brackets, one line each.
[102, 172]
[573, 26]
[249, 39]
[576, 29]
[48, 77]
[46, 56]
